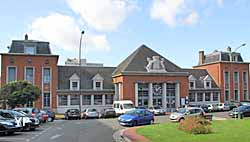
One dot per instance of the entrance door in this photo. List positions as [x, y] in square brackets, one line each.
[170, 97]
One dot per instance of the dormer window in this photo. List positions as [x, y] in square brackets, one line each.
[97, 82]
[29, 50]
[235, 58]
[74, 82]
[207, 82]
[192, 80]
[191, 84]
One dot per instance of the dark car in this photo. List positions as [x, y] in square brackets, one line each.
[51, 114]
[242, 111]
[136, 117]
[72, 113]
[43, 116]
[244, 103]
[9, 126]
[231, 105]
[107, 113]
[29, 111]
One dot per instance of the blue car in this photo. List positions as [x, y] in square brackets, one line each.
[136, 117]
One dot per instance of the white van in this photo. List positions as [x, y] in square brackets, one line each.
[123, 106]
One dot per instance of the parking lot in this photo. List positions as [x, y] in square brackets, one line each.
[97, 130]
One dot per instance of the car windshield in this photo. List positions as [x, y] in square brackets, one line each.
[182, 110]
[16, 114]
[157, 107]
[241, 108]
[92, 110]
[133, 112]
[128, 106]
[73, 110]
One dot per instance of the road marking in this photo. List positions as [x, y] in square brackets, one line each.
[55, 136]
[6, 138]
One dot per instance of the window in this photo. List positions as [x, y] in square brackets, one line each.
[46, 75]
[226, 76]
[236, 77]
[215, 96]
[11, 74]
[208, 84]
[29, 50]
[236, 95]
[245, 94]
[97, 99]
[227, 96]
[29, 74]
[235, 58]
[98, 85]
[191, 97]
[207, 97]
[244, 75]
[191, 85]
[62, 100]
[74, 100]
[200, 97]
[74, 85]
[109, 99]
[46, 100]
[86, 100]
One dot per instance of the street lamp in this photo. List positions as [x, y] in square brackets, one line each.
[80, 92]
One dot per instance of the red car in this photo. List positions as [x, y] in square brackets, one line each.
[43, 116]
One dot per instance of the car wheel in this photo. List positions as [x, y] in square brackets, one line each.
[10, 133]
[181, 119]
[32, 129]
[151, 122]
[134, 123]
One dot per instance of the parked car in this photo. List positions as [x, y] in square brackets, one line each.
[231, 105]
[22, 119]
[123, 106]
[9, 126]
[35, 121]
[210, 107]
[140, 107]
[136, 117]
[43, 116]
[90, 113]
[157, 110]
[242, 111]
[51, 114]
[183, 113]
[29, 111]
[203, 106]
[223, 107]
[244, 103]
[72, 113]
[107, 113]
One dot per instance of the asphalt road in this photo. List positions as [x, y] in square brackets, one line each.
[93, 130]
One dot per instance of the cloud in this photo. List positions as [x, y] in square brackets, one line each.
[104, 15]
[181, 12]
[63, 32]
[191, 19]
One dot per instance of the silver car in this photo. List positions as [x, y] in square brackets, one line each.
[183, 113]
[157, 110]
[90, 113]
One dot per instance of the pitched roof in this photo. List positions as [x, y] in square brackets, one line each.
[137, 62]
[87, 73]
[200, 74]
[17, 46]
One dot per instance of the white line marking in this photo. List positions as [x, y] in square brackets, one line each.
[55, 136]
[5, 138]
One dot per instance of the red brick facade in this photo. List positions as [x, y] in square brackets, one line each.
[217, 69]
[38, 62]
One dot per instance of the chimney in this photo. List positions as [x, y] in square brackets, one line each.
[201, 57]
[26, 37]
[229, 49]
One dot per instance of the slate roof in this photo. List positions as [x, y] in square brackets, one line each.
[137, 62]
[221, 56]
[17, 46]
[87, 74]
[200, 74]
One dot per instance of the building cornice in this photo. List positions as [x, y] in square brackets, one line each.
[217, 62]
[142, 73]
[22, 54]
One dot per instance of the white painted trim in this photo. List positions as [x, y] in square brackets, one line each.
[7, 73]
[136, 94]
[238, 85]
[25, 68]
[50, 83]
[245, 71]
[229, 86]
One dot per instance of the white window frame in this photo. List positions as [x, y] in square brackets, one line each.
[7, 73]
[229, 99]
[192, 81]
[33, 47]
[47, 67]
[71, 85]
[238, 80]
[58, 100]
[205, 84]
[25, 68]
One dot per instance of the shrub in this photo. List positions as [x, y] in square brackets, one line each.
[196, 125]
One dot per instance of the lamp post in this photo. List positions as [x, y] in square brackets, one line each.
[80, 63]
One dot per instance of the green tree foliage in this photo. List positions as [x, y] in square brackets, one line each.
[19, 93]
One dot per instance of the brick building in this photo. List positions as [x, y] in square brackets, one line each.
[230, 73]
[33, 61]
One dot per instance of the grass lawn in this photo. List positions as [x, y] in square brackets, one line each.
[223, 131]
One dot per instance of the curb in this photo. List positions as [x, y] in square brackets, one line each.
[118, 136]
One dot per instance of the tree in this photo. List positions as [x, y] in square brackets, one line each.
[19, 93]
